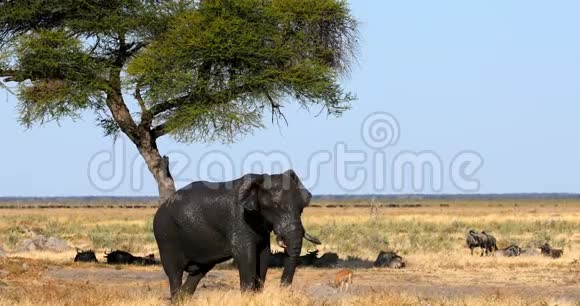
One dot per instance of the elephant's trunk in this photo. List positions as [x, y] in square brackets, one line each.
[293, 248]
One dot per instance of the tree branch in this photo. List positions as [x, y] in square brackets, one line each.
[135, 47]
[160, 130]
[97, 43]
[169, 104]
[140, 100]
[276, 110]
[9, 75]
[118, 108]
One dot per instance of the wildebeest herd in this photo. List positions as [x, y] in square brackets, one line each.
[488, 245]
[385, 259]
[116, 257]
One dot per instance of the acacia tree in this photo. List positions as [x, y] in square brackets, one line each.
[198, 70]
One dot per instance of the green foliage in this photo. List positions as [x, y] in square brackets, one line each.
[205, 70]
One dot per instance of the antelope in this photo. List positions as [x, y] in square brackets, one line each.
[343, 279]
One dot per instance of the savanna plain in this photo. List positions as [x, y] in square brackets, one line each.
[429, 234]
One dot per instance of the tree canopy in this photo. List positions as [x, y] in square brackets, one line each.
[200, 70]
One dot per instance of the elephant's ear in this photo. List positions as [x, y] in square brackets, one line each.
[304, 193]
[248, 191]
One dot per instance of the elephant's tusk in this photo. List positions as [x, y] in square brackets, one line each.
[311, 238]
[281, 242]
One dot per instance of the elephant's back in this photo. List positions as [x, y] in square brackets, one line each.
[197, 205]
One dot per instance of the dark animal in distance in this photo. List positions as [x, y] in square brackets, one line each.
[207, 223]
[85, 256]
[472, 241]
[483, 240]
[118, 257]
[528, 252]
[277, 259]
[389, 259]
[327, 260]
[490, 243]
[308, 259]
[511, 251]
[547, 250]
[148, 260]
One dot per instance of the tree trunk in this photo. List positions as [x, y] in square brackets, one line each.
[158, 166]
[140, 134]
[143, 137]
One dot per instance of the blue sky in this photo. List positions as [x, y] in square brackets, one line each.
[496, 78]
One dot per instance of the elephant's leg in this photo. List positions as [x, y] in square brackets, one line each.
[247, 265]
[195, 275]
[175, 277]
[263, 259]
[173, 267]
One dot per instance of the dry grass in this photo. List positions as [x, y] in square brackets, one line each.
[52, 294]
[431, 237]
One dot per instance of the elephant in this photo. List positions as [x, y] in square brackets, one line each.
[206, 223]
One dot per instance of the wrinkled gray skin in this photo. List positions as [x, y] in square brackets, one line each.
[207, 223]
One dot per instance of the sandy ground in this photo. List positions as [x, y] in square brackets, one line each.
[559, 284]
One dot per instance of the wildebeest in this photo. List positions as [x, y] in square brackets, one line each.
[549, 251]
[85, 256]
[118, 257]
[472, 241]
[483, 240]
[327, 260]
[530, 252]
[276, 260]
[148, 260]
[511, 251]
[389, 259]
[308, 259]
[489, 243]
[343, 279]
